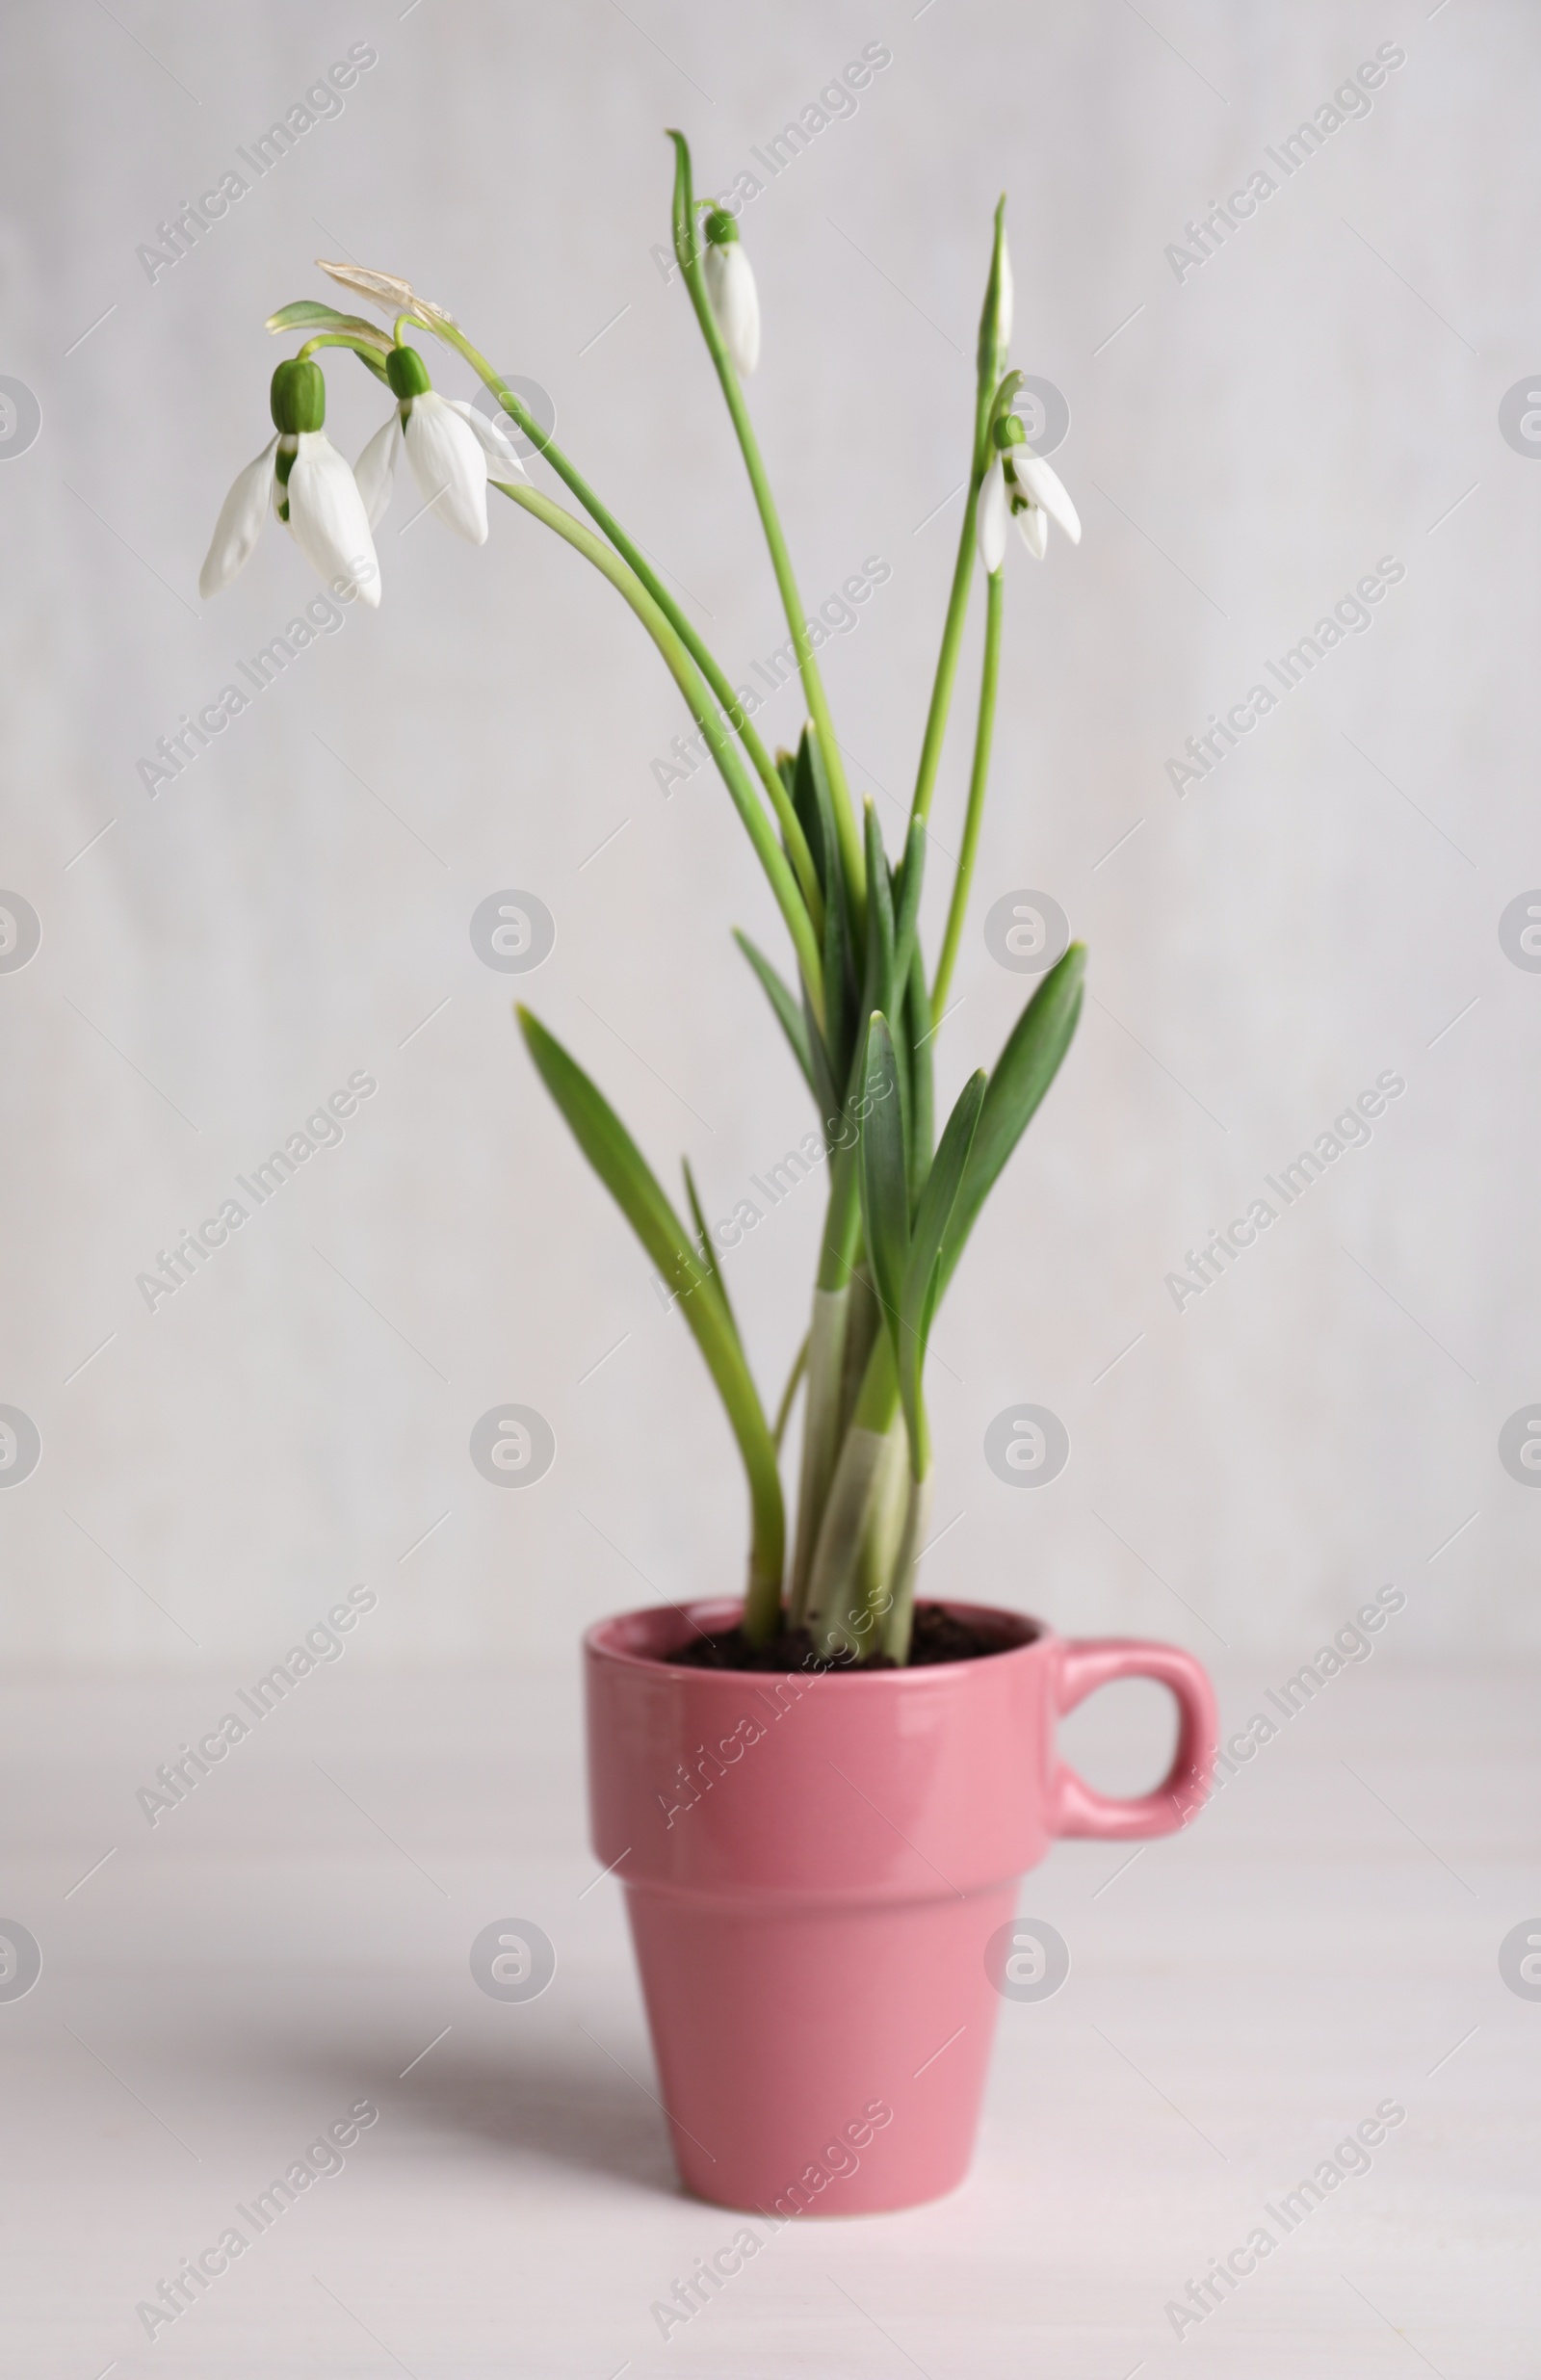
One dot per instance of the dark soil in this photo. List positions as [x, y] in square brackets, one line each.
[937, 1637]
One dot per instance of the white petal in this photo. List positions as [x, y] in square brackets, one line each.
[1008, 299]
[240, 523]
[1033, 522]
[991, 531]
[1046, 487]
[328, 518]
[374, 471]
[736, 303]
[502, 463]
[448, 465]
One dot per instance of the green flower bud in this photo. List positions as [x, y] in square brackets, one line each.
[406, 371]
[1009, 432]
[297, 398]
[720, 228]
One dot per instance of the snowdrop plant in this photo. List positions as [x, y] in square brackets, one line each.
[861, 1012]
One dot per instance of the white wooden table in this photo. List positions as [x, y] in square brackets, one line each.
[294, 1938]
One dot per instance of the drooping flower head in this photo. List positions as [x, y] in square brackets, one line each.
[448, 445]
[1020, 485]
[301, 476]
[730, 286]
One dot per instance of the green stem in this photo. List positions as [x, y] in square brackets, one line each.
[687, 251]
[746, 801]
[953, 632]
[990, 357]
[365, 348]
[978, 782]
[797, 842]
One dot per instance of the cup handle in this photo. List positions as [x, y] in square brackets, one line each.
[1077, 1809]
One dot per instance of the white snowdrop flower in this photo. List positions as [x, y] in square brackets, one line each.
[1021, 487]
[301, 476]
[450, 446]
[730, 286]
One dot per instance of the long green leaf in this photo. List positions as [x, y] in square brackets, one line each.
[1023, 1073]
[922, 1270]
[884, 1188]
[850, 867]
[814, 814]
[907, 912]
[631, 1182]
[879, 992]
[811, 800]
[922, 1042]
[709, 1263]
[878, 988]
[789, 1016]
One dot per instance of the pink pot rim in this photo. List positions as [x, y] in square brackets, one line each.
[1022, 1633]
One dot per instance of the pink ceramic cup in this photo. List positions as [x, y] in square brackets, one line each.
[814, 1869]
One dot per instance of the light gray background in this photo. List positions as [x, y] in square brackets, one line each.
[1243, 448]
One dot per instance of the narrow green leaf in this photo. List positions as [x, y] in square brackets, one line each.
[615, 1158]
[899, 1034]
[815, 820]
[1023, 1073]
[631, 1182]
[816, 815]
[789, 1016]
[942, 1186]
[922, 1270]
[709, 1262]
[907, 905]
[884, 1188]
[878, 989]
[856, 911]
[843, 1027]
[922, 1042]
